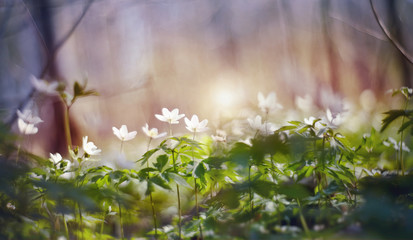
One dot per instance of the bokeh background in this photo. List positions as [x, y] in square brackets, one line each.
[205, 57]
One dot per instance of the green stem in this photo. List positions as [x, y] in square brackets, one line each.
[250, 190]
[401, 141]
[179, 210]
[196, 192]
[66, 229]
[178, 194]
[151, 199]
[101, 226]
[67, 127]
[303, 222]
[120, 221]
[80, 218]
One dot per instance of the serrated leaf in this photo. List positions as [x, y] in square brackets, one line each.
[161, 162]
[178, 179]
[158, 180]
[147, 155]
[199, 172]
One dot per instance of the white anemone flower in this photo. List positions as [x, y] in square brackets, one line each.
[43, 86]
[396, 145]
[89, 147]
[123, 134]
[221, 136]
[263, 128]
[266, 104]
[310, 120]
[333, 120]
[194, 125]
[28, 117]
[55, 158]
[153, 132]
[255, 123]
[26, 128]
[170, 117]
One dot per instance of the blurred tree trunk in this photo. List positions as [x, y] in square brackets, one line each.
[332, 58]
[395, 28]
[44, 19]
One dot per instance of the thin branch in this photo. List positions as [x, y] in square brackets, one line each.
[386, 32]
[359, 28]
[51, 56]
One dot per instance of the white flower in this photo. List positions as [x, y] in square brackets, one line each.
[152, 133]
[310, 120]
[221, 136]
[26, 128]
[123, 134]
[43, 86]
[89, 147]
[262, 128]
[28, 117]
[194, 125]
[67, 167]
[55, 158]
[11, 206]
[171, 117]
[396, 145]
[268, 103]
[333, 120]
[256, 123]
[305, 103]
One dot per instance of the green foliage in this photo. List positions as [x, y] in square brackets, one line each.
[303, 180]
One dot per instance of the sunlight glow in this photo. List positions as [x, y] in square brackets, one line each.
[225, 98]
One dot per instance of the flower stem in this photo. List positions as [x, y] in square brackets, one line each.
[151, 199]
[67, 128]
[179, 210]
[196, 192]
[401, 141]
[66, 229]
[178, 194]
[302, 220]
[102, 225]
[80, 218]
[120, 221]
[250, 190]
[121, 146]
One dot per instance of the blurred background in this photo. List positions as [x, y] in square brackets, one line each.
[209, 58]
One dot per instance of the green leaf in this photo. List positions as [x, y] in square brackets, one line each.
[147, 155]
[392, 115]
[294, 191]
[286, 128]
[199, 172]
[149, 188]
[263, 188]
[178, 179]
[144, 173]
[158, 180]
[228, 197]
[77, 89]
[297, 123]
[405, 125]
[161, 162]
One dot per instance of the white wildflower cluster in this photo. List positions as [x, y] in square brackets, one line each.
[27, 122]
